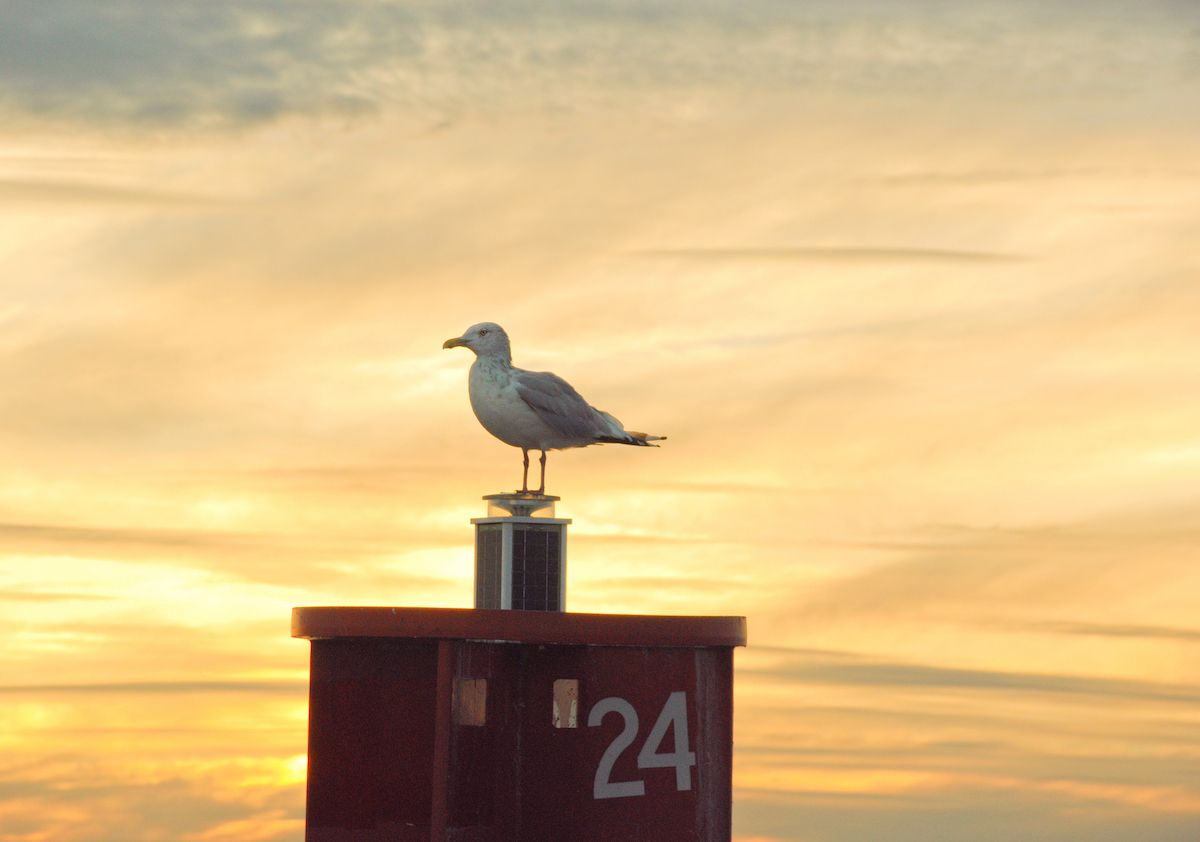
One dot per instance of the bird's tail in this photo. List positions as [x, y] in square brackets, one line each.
[619, 435]
[630, 437]
[646, 438]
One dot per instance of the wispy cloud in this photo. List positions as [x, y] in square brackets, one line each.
[31, 192]
[285, 688]
[836, 254]
[859, 671]
[48, 596]
[957, 573]
[236, 64]
[1117, 630]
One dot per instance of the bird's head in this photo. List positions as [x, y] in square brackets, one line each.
[486, 339]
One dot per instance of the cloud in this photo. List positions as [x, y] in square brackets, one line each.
[994, 814]
[237, 63]
[982, 573]
[28, 193]
[47, 596]
[857, 671]
[284, 688]
[58, 536]
[843, 734]
[314, 559]
[846, 254]
[174, 63]
[72, 798]
[1116, 630]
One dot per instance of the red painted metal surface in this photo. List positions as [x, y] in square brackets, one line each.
[442, 725]
[445, 731]
[518, 626]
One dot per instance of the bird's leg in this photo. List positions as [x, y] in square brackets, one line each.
[525, 474]
[542, 490]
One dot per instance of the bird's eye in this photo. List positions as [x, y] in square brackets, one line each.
[483, 333]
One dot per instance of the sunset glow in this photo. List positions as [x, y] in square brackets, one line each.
[913, 290]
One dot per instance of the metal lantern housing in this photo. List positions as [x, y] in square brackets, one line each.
[521, 554]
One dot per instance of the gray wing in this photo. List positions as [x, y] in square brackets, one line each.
[558, 404]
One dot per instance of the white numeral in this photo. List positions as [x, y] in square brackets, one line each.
[603, 787]
[673, 716]
[674, 713]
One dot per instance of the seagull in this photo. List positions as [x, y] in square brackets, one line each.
[533, 410]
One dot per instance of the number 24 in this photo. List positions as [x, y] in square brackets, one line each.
[674, 712]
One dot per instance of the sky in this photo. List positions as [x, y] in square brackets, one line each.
[913, 289]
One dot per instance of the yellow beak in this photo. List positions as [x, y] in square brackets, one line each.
[453, 343]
